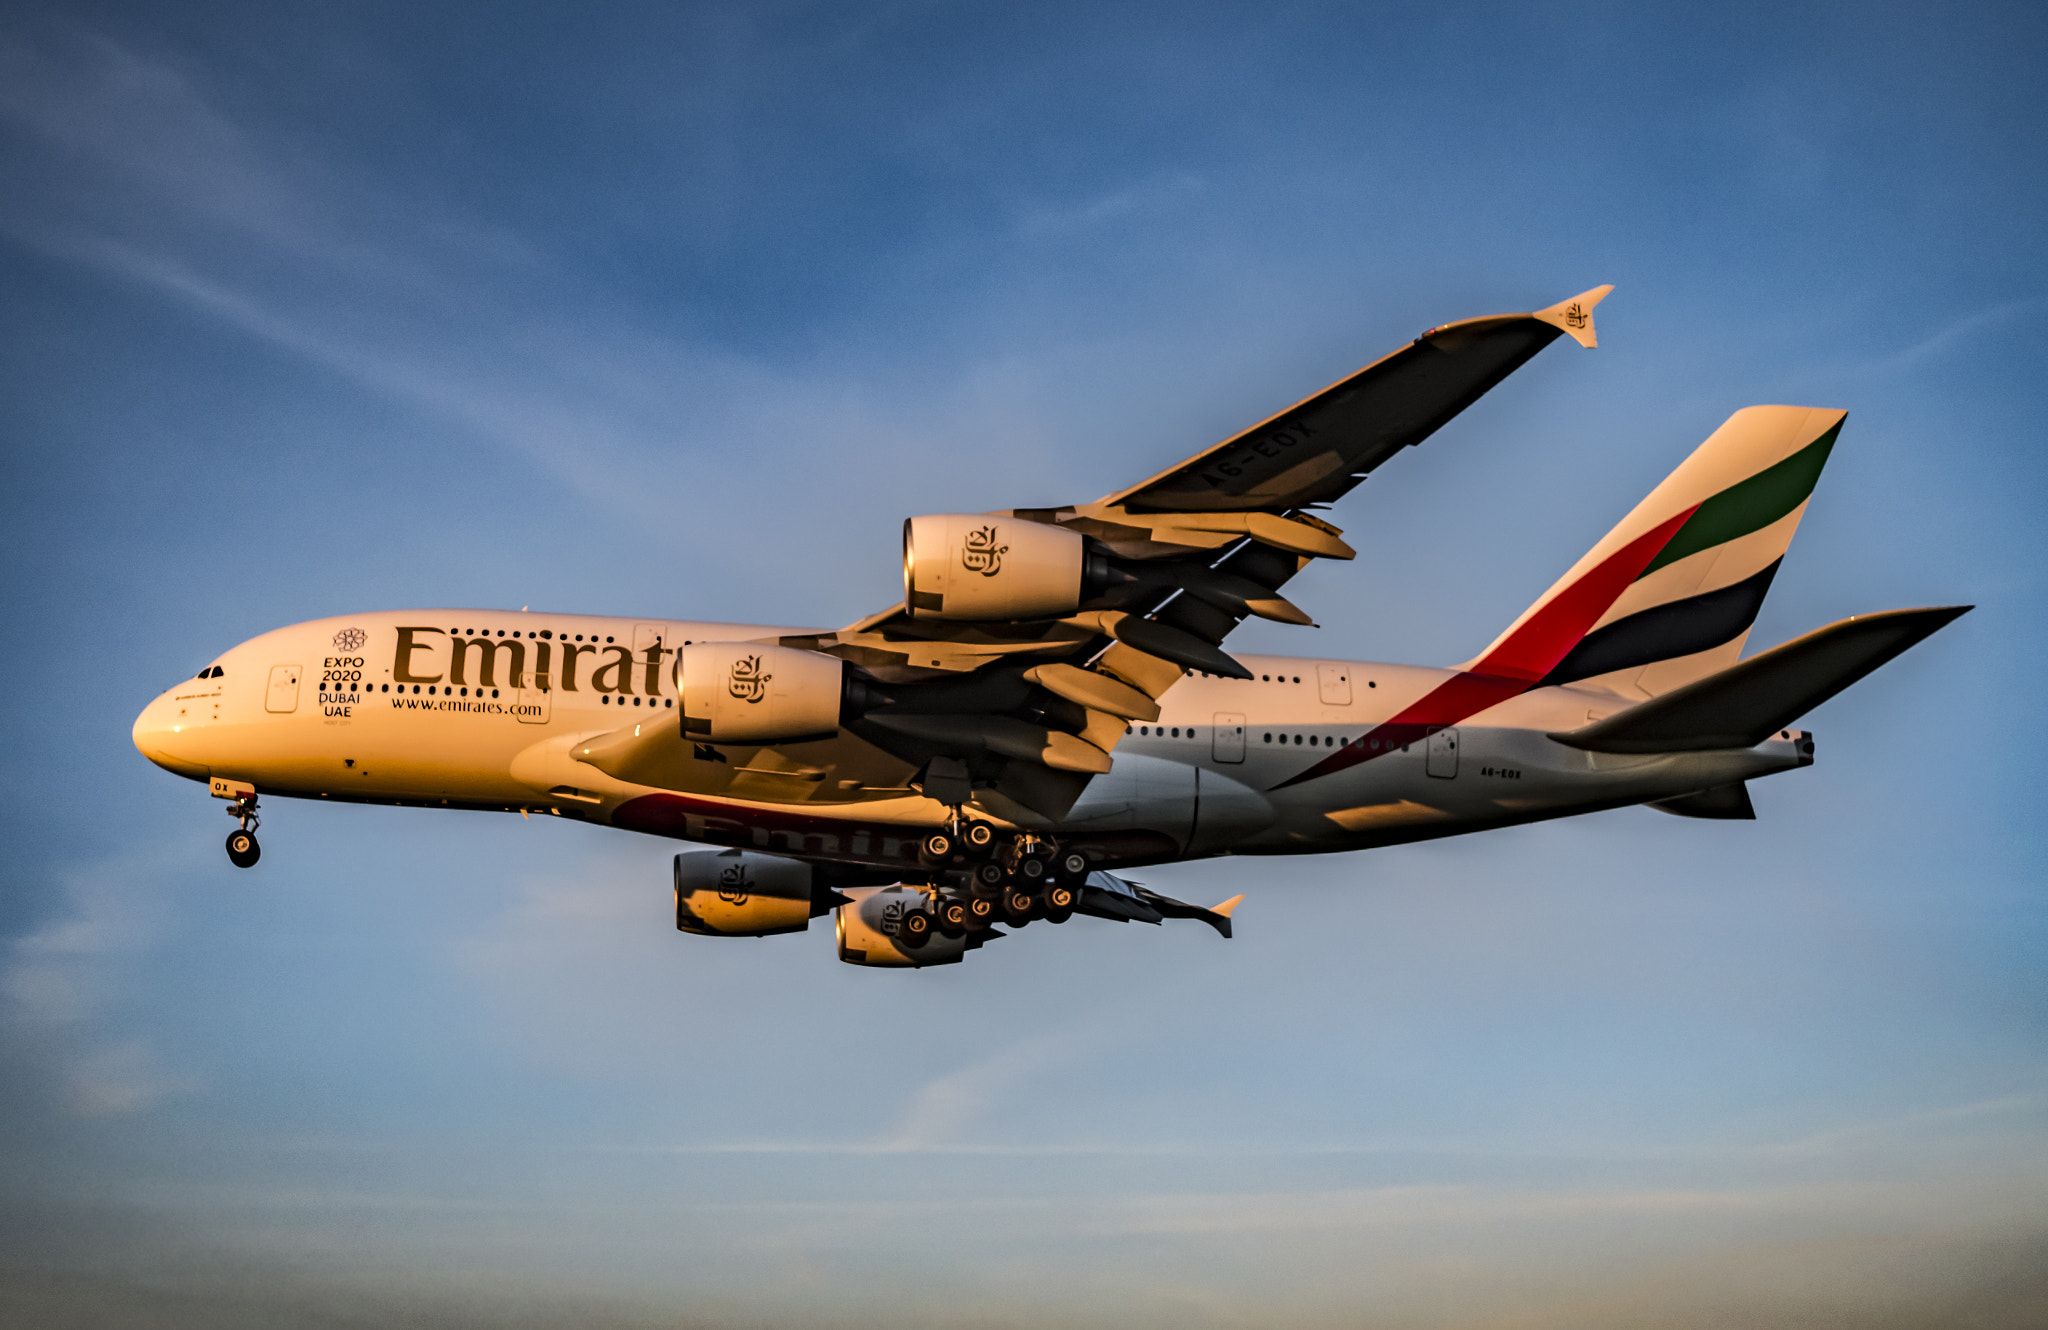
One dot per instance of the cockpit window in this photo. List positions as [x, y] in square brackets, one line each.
[210, 672]
[218, 672]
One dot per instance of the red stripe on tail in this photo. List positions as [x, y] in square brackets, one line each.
[1546, 636]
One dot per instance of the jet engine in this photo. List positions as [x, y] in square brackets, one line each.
[871, 932]
[732, 893]
[744, 692]
[960, 566]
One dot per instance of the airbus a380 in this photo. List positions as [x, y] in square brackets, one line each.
[1050, 705]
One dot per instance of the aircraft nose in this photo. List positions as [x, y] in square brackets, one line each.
[156, 735]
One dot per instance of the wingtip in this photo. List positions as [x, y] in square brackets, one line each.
[1227, 906]
[1575, 316]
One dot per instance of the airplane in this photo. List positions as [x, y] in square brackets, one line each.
[1050, 706]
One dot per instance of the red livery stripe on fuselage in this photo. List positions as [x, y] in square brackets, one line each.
[1516, 665]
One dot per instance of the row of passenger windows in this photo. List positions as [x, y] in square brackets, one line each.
[1372, 745]
[433, 690]
[1266, 678]
[545, 634]
[1312, 740]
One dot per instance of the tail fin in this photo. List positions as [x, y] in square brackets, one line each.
[1669, 595]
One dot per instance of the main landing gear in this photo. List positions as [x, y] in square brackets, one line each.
[243, 851]
[980, 879]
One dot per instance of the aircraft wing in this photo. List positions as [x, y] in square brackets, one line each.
[1029, 641]
[1317, 449]
[1015, 712]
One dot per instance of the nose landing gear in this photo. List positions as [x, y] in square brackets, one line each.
[243, 851]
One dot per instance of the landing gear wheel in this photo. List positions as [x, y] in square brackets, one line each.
[1073, 866]
[935, 848]
[980, 835]
[1018, 907]
[989, 876]
[243, 851]
[1059, 903]
[981, 911]
[916, 928]
[1031, 869]
[953, 918]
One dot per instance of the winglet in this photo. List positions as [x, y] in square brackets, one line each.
[1575, 316]
[1219, 917]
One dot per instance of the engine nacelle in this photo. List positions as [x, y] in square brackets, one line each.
[744, 692]
[959, 566]
[869, 931]
[732, 893]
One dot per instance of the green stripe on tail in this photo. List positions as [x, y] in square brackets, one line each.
[1750, 505]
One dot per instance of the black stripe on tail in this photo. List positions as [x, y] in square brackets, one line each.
[1664, 632]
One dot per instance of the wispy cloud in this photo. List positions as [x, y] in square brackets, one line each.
[465, 324]
[1954, 334]
[1154, 194]
[947, 1107]
[63, 982]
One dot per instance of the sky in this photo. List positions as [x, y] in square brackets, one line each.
[678, 311]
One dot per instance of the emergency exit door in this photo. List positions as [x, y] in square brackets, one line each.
[1333, 685]
[1228, 744]
[654, 635]
[284, 689]
[1442, 759]
[536, 700]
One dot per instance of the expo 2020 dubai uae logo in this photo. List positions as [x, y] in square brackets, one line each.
[350, 639]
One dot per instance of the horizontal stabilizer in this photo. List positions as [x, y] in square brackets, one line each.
[1723, 803]
[1744, 704]
[1107, 896]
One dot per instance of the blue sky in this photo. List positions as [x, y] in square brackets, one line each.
[679, 311]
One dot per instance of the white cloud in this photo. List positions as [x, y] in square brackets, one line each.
[63, 983]
[951, 1106]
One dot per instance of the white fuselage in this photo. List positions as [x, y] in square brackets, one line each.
[1310, 756]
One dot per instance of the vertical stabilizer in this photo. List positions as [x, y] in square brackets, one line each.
[1669, 595]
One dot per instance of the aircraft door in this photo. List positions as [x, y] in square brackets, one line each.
[284, 689]
[1228, 744]
[1442, 760]
[1334, 684]
[647, 635]
[535, 699]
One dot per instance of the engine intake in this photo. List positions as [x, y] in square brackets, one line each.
[871, 933]
[744, 692]
[993, 566]
[733, 893]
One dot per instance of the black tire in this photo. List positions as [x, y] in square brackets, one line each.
[936, 848]
[243, 851]
[953, 919]
[981, 911]
[1059, 897]
[1073, 866]
[980, 835]
[915, 929]
[1058, 916]
[1019, 907]
[1031, 870]
[989, 877]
